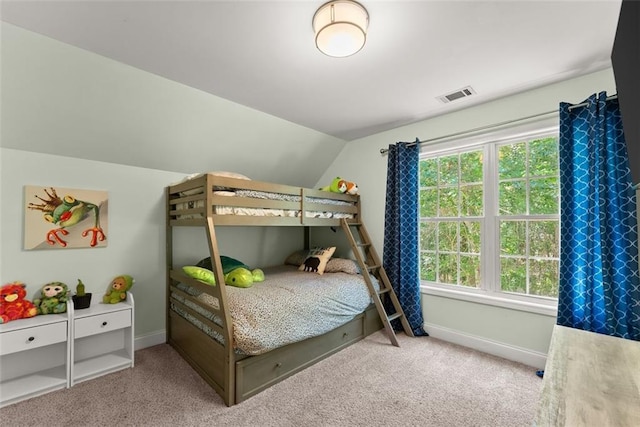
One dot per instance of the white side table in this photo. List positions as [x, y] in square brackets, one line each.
[34, 356]
[102, 340]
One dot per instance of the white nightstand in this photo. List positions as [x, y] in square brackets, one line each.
[34, 356]
[102, 340]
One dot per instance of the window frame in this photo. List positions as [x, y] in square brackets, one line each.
[489, 291]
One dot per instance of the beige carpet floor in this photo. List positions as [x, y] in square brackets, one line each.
[425, 382]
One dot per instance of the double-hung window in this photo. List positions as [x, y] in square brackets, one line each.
[489, 217]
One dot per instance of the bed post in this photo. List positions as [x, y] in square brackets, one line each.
[230, 363]
[169, 262]
[307, 233]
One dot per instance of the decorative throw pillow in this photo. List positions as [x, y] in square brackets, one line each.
[342, 265]
[297, 258]
[317, 260]
[199, 273]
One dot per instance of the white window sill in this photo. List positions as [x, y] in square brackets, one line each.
[550, 309]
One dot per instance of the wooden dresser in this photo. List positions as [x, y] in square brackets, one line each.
[590, 380]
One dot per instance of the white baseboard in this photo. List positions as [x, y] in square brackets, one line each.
[149, 340]
[506, 351]
[517, 354]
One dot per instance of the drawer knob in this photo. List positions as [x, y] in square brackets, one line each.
[104, 323]
[278, 365]
[31, 339]
[344, 335]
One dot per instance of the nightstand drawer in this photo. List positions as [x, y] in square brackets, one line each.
[102, 323]
[26, 339]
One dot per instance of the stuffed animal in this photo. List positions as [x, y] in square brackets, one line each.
[117, 290]
[53, 298]
[338, 185]
[352, 188]
[236, 273]
[243, 277]
[14, 304]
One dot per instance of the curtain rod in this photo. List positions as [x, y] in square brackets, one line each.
[493, 126]
[584, 104]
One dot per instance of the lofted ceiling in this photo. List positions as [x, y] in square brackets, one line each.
[261, 54]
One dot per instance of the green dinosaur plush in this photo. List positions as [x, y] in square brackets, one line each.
[53, 298]
[117, 291]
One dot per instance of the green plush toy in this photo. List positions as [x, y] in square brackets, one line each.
[53, 298]
[243, 278]
[236, 273]
[117, 291]
[258, 275]
[199, 273]
[338, 185]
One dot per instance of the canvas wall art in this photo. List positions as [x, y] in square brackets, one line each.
[63, 218]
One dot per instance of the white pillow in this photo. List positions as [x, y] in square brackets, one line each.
[226, 174]
[223, 174]
[344, 265]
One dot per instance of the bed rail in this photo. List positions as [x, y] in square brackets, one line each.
[231, 201]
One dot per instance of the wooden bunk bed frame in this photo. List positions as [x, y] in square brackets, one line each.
[233, 376]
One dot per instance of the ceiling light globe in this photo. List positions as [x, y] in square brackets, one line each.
[340, 39]
[341, 28]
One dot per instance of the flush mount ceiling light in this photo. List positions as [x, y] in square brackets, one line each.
[340, 27]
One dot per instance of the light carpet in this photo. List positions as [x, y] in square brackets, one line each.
[425, 382]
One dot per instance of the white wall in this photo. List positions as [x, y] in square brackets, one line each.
[486, 327]
[74, 119]
[135, 239]
[61, 100]
[136, 233]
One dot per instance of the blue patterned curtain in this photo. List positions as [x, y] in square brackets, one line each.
[599, 284]
[400, 255]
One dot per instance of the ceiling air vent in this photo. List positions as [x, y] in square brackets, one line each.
[461, 93]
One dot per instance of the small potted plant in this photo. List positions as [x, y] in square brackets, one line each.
[81, 299]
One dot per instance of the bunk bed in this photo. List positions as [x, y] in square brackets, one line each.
[200, 317]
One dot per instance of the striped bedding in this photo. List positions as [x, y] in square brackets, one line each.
[235, 210]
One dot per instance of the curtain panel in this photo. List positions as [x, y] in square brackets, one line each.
[599, 287]
[401, 247]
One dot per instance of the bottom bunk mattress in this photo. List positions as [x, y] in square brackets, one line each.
[289, 306]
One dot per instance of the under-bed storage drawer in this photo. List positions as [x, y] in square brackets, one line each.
[257, 373]
[202, 352]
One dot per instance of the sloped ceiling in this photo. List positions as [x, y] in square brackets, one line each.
[261, 54]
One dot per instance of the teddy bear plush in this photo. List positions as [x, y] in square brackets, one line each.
[14, 304]
[117, 291]
[53, 298]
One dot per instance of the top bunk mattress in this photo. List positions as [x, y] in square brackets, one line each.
[229, 209]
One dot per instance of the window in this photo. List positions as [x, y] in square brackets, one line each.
[489, 216]
[451, 211]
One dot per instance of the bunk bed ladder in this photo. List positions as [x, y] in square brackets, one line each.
[370, 265]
